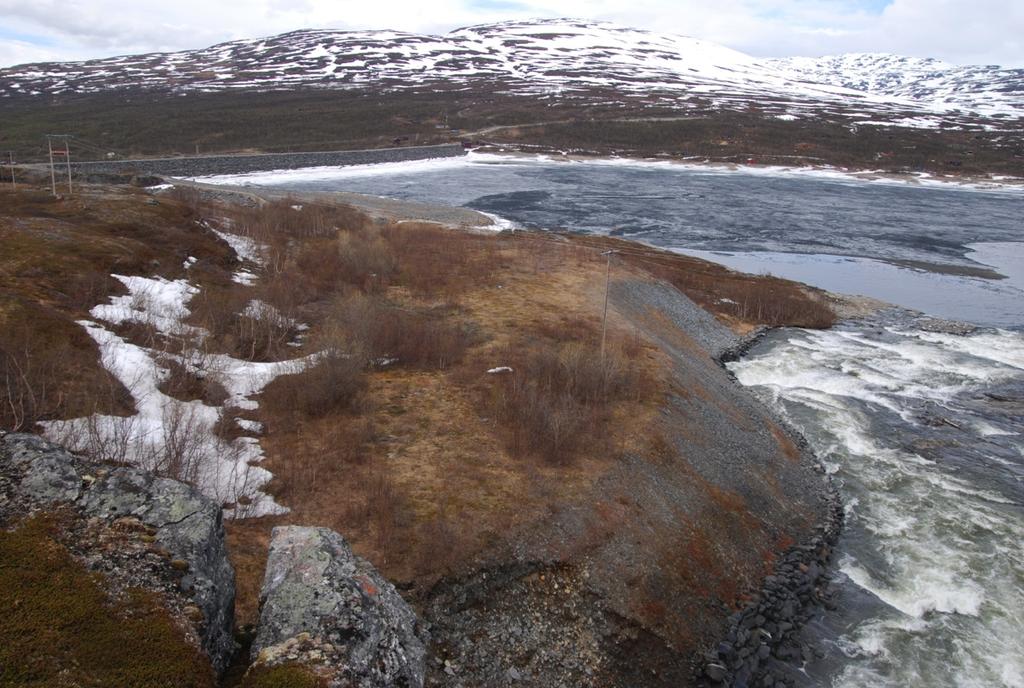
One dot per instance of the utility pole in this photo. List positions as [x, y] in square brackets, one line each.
[53, 176]
[66, 152]
[14, 185]
[604, 318]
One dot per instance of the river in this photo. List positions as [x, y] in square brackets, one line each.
[922, 430]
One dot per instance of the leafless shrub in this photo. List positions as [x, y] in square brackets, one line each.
[367, 260]
[181, 451]
[107, 439]
[334, 384]
[191, 198]
[554, 395]
[30, 376]
[249, 329]
[191, 382]
[385, 332]
[262, 333]
[441, 543]
[379, 509]
[289, 219]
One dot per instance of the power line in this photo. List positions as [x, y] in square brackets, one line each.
[66, 152]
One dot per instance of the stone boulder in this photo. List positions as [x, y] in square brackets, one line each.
[323, 607]
[173, 535]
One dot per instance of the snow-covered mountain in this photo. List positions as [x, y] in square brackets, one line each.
[559, 59]
[988, 90]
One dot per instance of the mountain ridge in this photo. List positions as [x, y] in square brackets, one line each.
[561, 59]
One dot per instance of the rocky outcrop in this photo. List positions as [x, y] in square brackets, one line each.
[138, 530]
[323, 607]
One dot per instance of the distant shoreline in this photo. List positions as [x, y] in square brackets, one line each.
[996, 184]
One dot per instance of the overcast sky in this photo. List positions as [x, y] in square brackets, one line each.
[958, 31]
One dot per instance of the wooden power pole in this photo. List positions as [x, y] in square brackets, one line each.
[67, 155]
[604, 318]
[53, 176]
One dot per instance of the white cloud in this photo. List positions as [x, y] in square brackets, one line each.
[963, 31]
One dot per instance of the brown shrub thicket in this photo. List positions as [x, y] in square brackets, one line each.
[334, 384]
[192, 199]
[386, 333]
[30, 378]
[287, 219]
[244, 327]
[779, 305]
[437, 261]
[555, 396]
[186, 384]
[756, 299]
[762, 300]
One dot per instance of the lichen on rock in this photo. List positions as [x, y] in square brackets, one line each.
[323, 607]
[138, 530]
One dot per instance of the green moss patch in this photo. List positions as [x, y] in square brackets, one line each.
[60, 628]
[282, 676]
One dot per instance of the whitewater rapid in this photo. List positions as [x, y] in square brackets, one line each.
[924, 434]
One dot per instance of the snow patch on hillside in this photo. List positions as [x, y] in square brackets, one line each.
[167, 435]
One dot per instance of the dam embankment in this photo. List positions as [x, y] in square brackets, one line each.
[197, 166]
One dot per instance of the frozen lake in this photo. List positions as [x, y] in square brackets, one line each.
[898, 241]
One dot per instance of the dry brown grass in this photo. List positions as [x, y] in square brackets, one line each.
[399, 438]
[56, 262]
[450, 487]
[435, 482]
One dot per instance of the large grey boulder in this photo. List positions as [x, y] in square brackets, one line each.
[326, 608]
[170, 517]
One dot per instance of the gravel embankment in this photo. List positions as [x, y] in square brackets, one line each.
[704, 328]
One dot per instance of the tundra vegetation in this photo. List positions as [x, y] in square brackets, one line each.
[454, 384]
[154, 123]
[61, 627]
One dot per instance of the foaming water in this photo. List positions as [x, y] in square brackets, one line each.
[924, 432]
